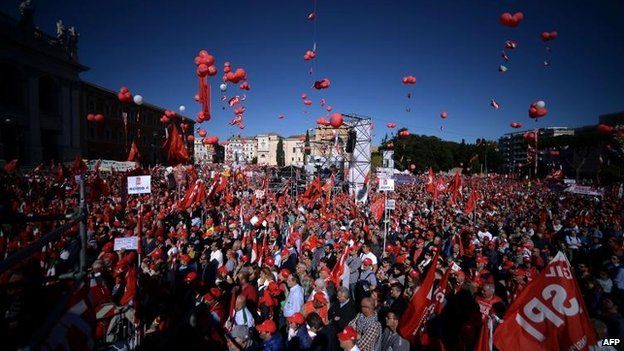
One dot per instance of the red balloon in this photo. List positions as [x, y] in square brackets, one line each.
[336, 120]
[98, 118]
[212, 70]
[390, 145]
[312, 16]
[516, 125]
[304, 96]
[412, 166]
[329, 108]
[553, 153]
[322, 84]
[404, 132]
[307, 102]
[443, 115]
[605, 128]
[196, 97]
[322, 121]
[202, 70]
[244, 86]
[90, 117]
[165, 119]
[529, 136]
[409, 80]
[509, 20]
[201, 132]
[391, 125]
[227, 69]
[123, 90]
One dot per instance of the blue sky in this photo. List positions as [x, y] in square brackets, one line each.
[364, 48]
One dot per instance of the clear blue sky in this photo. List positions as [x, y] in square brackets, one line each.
[364, 48]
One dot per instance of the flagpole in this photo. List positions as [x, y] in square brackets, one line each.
[385, 222]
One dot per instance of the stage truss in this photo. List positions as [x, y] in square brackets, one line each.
[360, 160]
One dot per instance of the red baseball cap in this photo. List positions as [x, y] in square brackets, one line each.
[367, 262]
[320, 297]
[348, 333]
[296, 318]
[267, 326]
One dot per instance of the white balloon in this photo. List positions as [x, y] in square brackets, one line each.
[138, 99]
[540, 104]
[223, 87]
[182, 108]
[254, 220]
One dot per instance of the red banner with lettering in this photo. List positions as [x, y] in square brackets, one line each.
[549, 314]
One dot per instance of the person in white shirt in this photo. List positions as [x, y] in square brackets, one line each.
[294, 301]
[366, 253]
[484, 233]
[216, 254]
[242, 315]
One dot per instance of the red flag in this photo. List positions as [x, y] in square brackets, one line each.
[549, 314]
[196, 194]
[440, 292]
[128, 297]
[134, 154]
[455, 186]
[420, 307]
[79, 166]
[339, 268]
[472, 201]
[439, 189]
[313, 191]
[174, 147]
[377, 208]
[11, 166]
[485, 335]
[430, 186]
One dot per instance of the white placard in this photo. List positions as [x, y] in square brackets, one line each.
[585, 190]
[127, 243]
[259, 194]
[139, 185]
[390, 204]
[386, 184]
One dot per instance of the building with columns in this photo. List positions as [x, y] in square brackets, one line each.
[44, 103]
[240, 149]
[208, 153]
[294, 150]
[39, 93]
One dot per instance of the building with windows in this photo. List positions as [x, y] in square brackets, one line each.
[240, 149]
[208, 153]
[294, 150]
[514, 149]
[267, 148]
[44, 103]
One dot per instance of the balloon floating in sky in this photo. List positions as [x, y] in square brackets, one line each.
[322, 121]
[538, 109]
[322, 84]
[312, 16]
[502, 69]
[223, 87]
[516, 125]
[309, 55]
[304, 96]
[409, 80]
[182, 108]
[329, 108]
[201, 132]
[237, 76]
[404, 132]
[307, 102]
[280, 117]
[244, 86]
[511, 44]
[509, 20]
[443, 115]
[494, 104]
[336, 120]
[124, 94]
[547, 36]
[529, 136]
[391, 125]
[138, 99]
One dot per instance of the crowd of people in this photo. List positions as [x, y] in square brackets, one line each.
[277, 270]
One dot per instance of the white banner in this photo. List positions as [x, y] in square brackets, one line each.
[259, 194]
[109, 165]
[390, 204]
[139, 185]
[127, 243]
[585, 190]
[386, 184]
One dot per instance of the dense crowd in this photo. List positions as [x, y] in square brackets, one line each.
[281, 270]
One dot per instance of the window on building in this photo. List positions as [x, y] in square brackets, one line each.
[294, 150]
[11, 86]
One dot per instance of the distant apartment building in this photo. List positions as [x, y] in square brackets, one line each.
[294, 150]
[208, 153]
[514, 149]
[239, 149]
[267, 148]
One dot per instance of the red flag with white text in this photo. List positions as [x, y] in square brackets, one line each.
[549, 314]
[420, 306]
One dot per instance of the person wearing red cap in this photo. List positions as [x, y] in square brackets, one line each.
[272, 340]
[348, 338]
[319, 304]
[298, 337]
[366, 280]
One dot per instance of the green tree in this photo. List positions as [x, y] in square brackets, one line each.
[280, 153]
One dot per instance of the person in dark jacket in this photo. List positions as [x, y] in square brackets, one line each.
[272, 340]
[341, 313]
[298, 336]
[325, 338]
